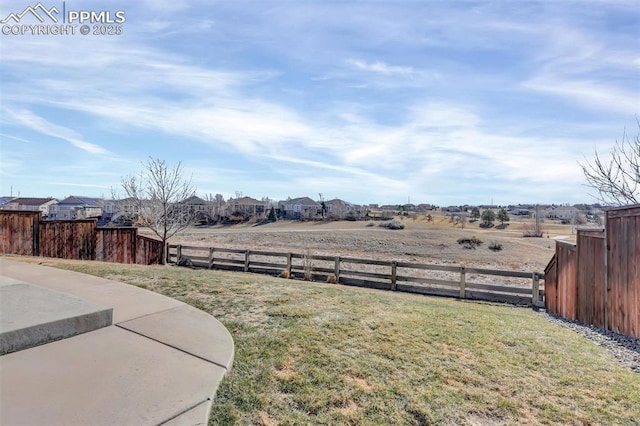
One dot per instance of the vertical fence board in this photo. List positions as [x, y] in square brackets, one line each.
[636, 275]
[551, 285]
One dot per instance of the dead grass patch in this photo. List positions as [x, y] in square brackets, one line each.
[359, 383]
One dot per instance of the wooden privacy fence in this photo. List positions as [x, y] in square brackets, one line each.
[23, 233]
[597, 280]
[439, 280]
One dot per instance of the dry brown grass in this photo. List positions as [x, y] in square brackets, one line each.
[420, 241]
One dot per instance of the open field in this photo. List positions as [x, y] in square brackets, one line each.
[420, 241]
[312, 353]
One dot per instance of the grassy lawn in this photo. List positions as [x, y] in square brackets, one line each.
[310, 353]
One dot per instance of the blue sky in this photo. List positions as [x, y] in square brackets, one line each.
[368, 101]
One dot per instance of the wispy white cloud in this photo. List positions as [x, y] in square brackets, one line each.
[381, 68]
[596, 95]
[4, 135]
[39, 124]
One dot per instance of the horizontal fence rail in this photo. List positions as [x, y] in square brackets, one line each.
[440, 280]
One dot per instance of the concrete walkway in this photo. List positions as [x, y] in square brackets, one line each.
[151, 360]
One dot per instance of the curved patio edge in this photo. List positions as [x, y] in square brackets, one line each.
[161, 361]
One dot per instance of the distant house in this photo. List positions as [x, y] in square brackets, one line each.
[340, 209]
[197, 208]
[379, 214]
[5, 200]
[43, 205]
[76, 207]
[561, 212]
[300, 208]
[124, 210]
[125, 206]
[247, 207]
[195, 204]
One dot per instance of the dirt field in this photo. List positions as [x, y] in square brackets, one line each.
[434, 242]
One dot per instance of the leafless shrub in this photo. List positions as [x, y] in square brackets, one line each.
[495, 246]
[470, 243]
[532, 230]
[393, 224]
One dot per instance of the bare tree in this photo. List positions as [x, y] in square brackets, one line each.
[617, 180]
[158, 192]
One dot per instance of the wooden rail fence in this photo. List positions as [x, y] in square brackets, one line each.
[452, 281]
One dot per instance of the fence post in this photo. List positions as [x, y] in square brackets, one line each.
[289, 265]
[246, 260]
[535, 287]
[211, 249]
[167, 257]
[336, 269]
[394, 276]
[606, 300]
[462, 282]
[178, 253]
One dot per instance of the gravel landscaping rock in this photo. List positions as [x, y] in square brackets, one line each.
[623, 348]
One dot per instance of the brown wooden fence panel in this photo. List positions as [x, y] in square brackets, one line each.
[149, 251]
[623, 274]
[19, 232]
[116, 245]
[566, 279]
[551, 285]
[591, 277]
[68, 239]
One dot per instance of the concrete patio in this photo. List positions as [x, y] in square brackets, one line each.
[85, 350]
